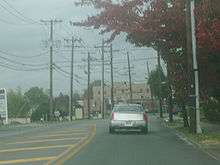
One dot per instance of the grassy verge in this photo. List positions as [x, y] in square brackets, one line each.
[206, 138]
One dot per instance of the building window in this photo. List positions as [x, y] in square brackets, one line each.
[141, 90]
[99, 92]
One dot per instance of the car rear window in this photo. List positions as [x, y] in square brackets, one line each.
[130, 108]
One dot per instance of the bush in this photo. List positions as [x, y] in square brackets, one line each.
[211, 110]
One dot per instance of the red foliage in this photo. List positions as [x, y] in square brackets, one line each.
[161, 25]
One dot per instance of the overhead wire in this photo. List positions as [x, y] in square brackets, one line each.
[22, 16]
[20, 63]
[14, 68]
[19, 56]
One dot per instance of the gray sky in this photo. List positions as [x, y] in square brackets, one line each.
[23, 40]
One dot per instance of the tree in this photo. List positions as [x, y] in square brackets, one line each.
[154, 82]
[62, 104]
[38, 103]
[36, 96]
[42, 111]
[17, 104]
[161, 24]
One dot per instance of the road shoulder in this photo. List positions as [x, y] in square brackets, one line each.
[207, 143]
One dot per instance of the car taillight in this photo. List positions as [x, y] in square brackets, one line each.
[113, 116]
[145, 117]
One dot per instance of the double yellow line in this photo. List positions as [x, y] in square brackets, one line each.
[64, 156]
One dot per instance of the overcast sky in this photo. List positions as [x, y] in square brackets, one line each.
[22, 39]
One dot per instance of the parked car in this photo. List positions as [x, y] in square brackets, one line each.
[128, 116]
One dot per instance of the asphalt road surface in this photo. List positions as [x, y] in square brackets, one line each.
[160, 147]
[89, 143]
[42, 143]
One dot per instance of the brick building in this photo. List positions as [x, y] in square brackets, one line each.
[140, 91]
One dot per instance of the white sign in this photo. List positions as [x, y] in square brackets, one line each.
[3, 105]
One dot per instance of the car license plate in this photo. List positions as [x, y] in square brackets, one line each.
[128, 124]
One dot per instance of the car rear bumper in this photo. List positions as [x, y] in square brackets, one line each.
[122, 124]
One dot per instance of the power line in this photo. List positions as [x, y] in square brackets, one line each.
[19, 56]
[6, 9]
[20, 63]
[21, 69]
[20, 14]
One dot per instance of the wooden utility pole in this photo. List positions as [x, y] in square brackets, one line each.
[51, 70]
[170, 93]
[190, 86]
[129, 74]
[159, 76]
[102, 83]
[88, 88]
[112, 77]
[73, 46]
[71, 82]
[52, 22]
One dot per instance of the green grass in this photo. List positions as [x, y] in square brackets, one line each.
[205, 138]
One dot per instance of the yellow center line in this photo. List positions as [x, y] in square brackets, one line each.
[71, 131]
[16, 161]
[55, 135]
[70, 152]
[35, 148]
[44, 140]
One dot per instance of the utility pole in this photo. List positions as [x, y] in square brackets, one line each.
[129, 74]
[195, 66]
[52, 22]
[71, 82]
[190, 79]
[148, 70]
[72, 40]
[102, 78]
[88, 90]
[170, 93]
[102, 83]
[148, 75]
[112, 77]
[159, 76]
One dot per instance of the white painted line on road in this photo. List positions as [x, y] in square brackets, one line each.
[45, 140]
[34, 148]
[29, 160]
[184, 139]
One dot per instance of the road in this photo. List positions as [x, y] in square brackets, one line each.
[89, 143]
[160, 147]
[42, 143]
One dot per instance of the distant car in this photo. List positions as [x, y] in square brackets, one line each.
[128, 116]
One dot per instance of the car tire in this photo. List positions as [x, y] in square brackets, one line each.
[111, 130]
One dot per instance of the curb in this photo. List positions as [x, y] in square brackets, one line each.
[183, 137]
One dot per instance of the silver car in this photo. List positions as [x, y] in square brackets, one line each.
[128, 116]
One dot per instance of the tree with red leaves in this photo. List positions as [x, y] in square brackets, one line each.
[161, 24]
